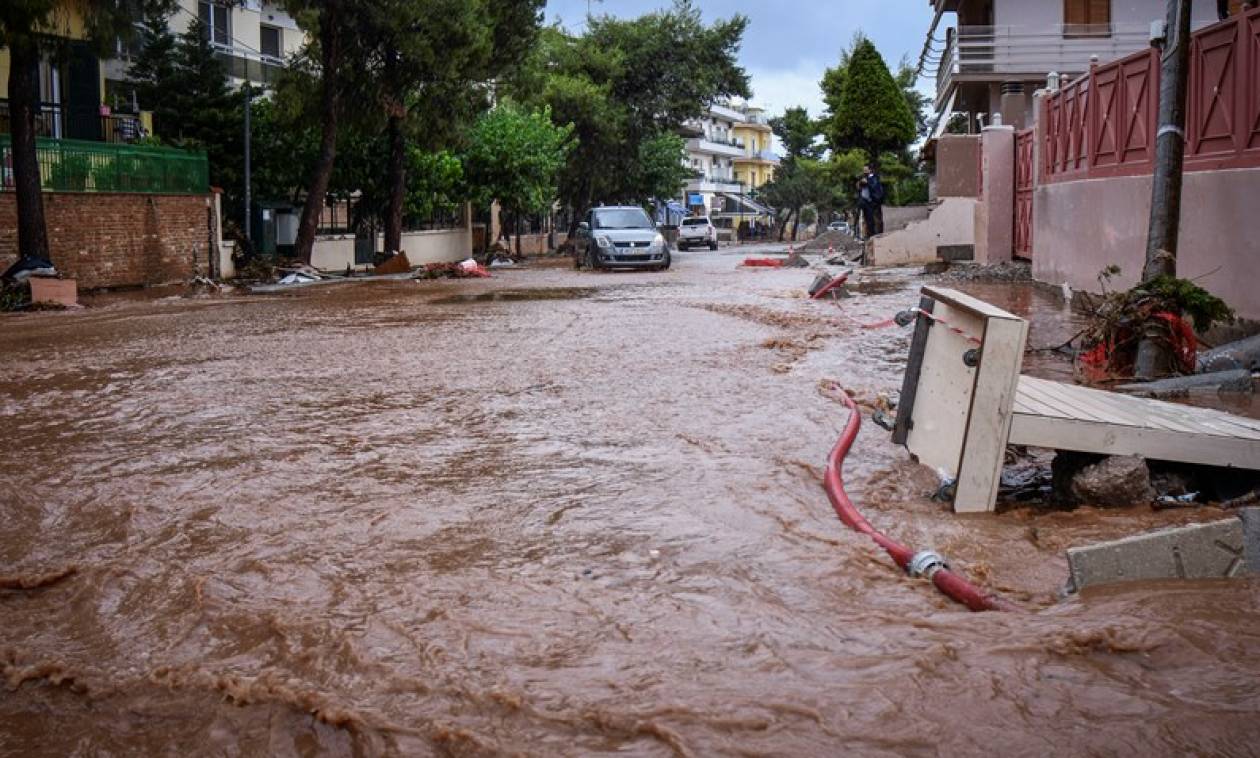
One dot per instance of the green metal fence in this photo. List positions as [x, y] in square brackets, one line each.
[78, 166]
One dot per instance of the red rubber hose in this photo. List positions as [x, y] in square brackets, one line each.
[953, 585]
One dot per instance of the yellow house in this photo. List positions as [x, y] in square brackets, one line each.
[72, 86]
[758, 163]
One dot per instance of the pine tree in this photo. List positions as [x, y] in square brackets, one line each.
[185, 86]
[153, 66]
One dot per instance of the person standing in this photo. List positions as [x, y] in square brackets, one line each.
[876, 188]
[866, 207]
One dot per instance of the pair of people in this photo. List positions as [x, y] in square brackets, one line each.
[870, 192]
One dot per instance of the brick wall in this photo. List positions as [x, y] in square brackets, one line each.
[118, 240]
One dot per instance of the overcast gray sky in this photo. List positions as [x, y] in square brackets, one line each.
[789, 42]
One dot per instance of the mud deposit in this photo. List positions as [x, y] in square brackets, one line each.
[417, 518]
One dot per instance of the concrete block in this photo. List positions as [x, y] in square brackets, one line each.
[1251, 537]
[58, 291]
[1197, 551]
[956, 252]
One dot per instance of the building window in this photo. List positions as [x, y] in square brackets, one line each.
[1087, 18]
[269, 36]
[216, 17]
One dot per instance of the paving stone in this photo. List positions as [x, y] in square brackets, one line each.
[1197, 551]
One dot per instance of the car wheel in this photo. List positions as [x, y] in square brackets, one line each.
[713, 245]
[668, 260]
[592, 260]
[681, 247]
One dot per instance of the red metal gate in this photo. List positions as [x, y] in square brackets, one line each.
[1024, 179]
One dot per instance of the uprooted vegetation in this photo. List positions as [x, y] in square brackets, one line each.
[1167, 309]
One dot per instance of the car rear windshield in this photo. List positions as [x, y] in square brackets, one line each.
[695, 221]
[622, 218]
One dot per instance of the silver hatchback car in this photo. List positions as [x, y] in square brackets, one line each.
[619, 237]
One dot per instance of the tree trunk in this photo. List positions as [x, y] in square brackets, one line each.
[518, 235]
[796, 224]
[321, 173]
[1154, 356]
[23, 104]
[397, 181]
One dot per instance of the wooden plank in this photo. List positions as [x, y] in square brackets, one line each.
[989, 416]
[944, 392]
[1064, 408]
[1110, 439]
[1142, 412]
[910, 382]
[960, 301]
[1034, 401]
[1108, 407]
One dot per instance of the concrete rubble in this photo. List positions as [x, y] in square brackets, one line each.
[1218, 549]
[1115, 481]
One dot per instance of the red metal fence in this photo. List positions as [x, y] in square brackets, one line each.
[1025, 181]
[1104, 123]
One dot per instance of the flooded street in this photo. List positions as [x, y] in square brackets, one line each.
[549, 513]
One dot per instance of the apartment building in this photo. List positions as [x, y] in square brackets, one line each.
[729, 152]
[990, 56]
[757, 165]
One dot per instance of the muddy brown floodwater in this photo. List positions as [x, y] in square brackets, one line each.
[551, 513]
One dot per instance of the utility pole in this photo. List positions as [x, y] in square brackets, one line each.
[1154, 358]
[248, 202]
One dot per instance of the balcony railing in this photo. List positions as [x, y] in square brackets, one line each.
[1034, 51]
[52, 121]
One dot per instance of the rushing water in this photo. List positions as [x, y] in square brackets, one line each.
[549, 513]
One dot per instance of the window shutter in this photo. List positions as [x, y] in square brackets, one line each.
[1075, 12]
[1099, 12]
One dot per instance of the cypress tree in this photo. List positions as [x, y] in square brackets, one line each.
[872, 112]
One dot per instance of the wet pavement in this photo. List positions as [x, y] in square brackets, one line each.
[549, 513]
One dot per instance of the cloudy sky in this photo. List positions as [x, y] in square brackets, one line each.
[789, 42]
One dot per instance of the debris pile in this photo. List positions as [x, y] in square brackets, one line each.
[395, 263]
[830, 241]
[1007, 271]
[466, 269]
[1161, 310]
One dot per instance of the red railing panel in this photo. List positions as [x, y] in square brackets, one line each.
[1105, 123]
[1250, 84]
[1211, 115]
[1025, 181]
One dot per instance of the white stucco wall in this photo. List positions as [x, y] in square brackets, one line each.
[1081, 227]
[1042, 12]
[951, 222]
[335, 252]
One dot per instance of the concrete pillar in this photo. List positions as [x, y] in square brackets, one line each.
[995, 213]
[1014, 109]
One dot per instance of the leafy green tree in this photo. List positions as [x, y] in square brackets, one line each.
[797, 184]
[515, 157]
[335, 56]
[428, 60]
[907, 77]
[30, 28]
[623, 85]
[798, 133]
[870, 110]
[660, 169]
